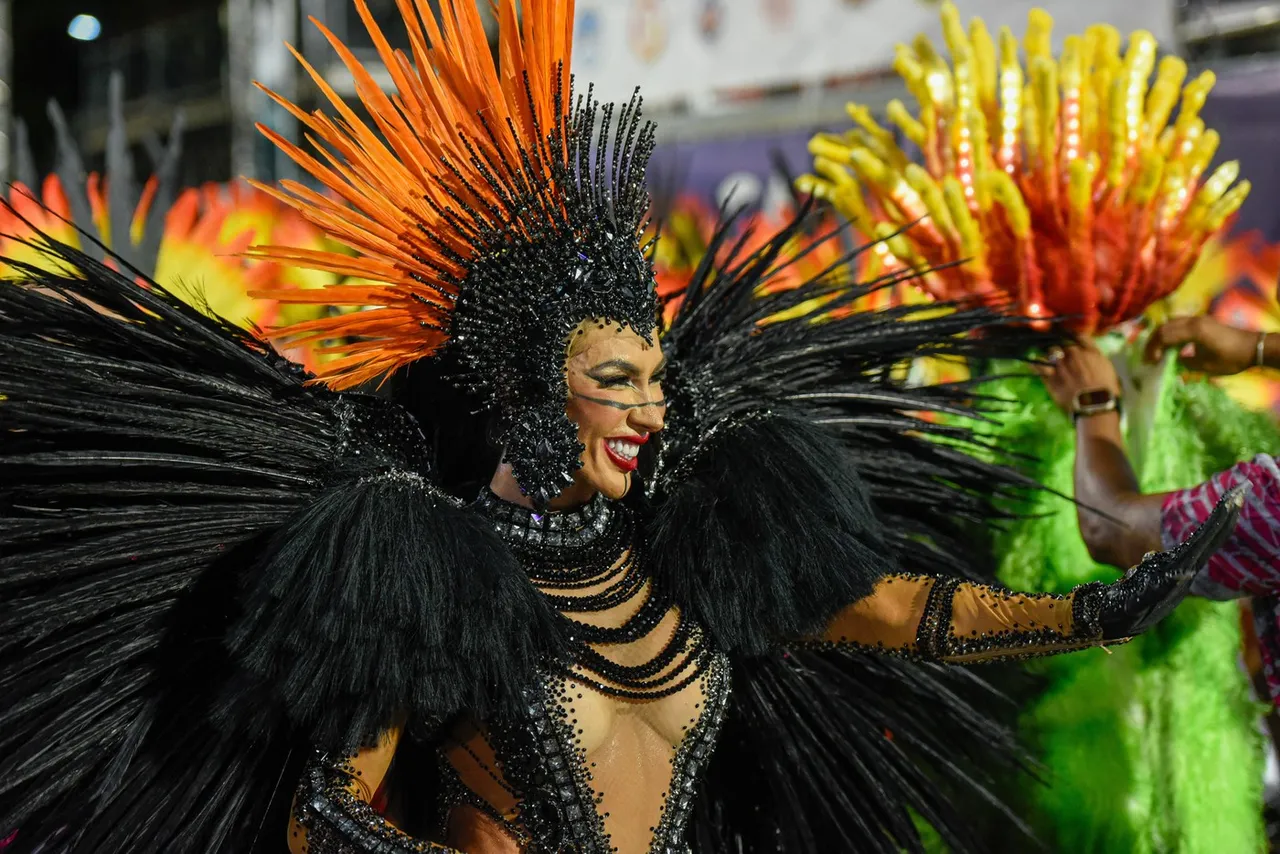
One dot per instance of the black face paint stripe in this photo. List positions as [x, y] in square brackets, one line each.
[619, 405]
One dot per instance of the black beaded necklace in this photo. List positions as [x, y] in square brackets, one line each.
[597, 544]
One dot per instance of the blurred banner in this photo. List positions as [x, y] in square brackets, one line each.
[696, 50]
[745, 170]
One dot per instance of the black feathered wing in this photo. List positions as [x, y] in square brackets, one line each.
[797, 467]
[207, 567]
[834, 376]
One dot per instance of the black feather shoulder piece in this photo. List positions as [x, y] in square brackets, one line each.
[383, 596]
[209, 566]
[767, 531]
[798, 465]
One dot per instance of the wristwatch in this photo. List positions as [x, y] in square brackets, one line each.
[1093, 401]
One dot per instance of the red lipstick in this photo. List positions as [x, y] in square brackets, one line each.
[627, 464]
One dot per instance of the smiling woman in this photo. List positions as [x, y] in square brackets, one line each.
[615, 399]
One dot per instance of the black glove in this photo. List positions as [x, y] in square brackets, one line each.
[1152, 589]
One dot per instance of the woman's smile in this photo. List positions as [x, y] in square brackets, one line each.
[623, 450]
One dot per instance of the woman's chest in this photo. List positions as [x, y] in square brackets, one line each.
[601, 725]
[606, 773]
[637, 694]
[629, 767]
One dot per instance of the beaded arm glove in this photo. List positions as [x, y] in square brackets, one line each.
[334, 812]
[951, 620]
[333, 809]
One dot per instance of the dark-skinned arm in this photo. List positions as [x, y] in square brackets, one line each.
[1208, 346]
[1117, 522]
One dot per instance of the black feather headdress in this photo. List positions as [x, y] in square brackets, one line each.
[492, 212]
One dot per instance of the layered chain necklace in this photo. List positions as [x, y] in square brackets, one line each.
[596, 547]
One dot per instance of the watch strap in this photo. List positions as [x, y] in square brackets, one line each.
[1083, 410]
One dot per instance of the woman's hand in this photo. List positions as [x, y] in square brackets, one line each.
[1151, 590]
[1205, 345]
[1077, 368]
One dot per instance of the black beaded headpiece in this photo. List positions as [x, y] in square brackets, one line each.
[491, 211]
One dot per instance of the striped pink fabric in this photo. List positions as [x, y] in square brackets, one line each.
[1249, 563]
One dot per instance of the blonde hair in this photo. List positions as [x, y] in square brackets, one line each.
[578, 338]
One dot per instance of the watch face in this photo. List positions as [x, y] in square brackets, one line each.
[1092, 398]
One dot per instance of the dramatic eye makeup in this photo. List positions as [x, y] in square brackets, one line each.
[611, 380]
[614, 373]
[618, 373]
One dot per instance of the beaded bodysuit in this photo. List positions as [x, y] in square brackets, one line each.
[611, 746]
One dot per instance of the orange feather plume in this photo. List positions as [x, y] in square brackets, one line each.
[414, 190]
[1067, 186]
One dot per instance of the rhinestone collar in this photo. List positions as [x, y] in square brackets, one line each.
[578, 527]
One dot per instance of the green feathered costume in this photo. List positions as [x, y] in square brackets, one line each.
[1155, 746]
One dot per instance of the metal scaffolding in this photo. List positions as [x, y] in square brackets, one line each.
[6, 94]
[257, 31]
[240, 89]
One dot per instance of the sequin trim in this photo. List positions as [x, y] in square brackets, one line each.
[454, 793]
[935, 625]
[691, 760]
[1086, 609]
[578, 527]
[339, 822]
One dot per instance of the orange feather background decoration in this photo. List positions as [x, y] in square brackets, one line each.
[416, 190]
[1069, 187]
[200, 253]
